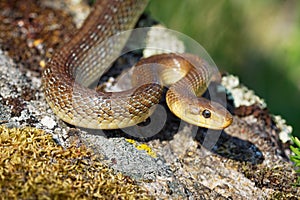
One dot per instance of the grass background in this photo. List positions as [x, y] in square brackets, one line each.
[257, 40]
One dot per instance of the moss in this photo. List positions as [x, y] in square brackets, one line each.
[281, 195]
[33, 166]
[280, 178]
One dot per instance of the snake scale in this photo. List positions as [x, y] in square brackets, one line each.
[73, 67]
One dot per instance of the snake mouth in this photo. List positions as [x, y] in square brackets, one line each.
[228, 120]
[207, 115]
[224, 120]
[217, 120]
[219, 124]
[215, 125]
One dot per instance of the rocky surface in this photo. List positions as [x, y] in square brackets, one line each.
[245, 161]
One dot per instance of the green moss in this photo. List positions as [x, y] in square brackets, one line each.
[33, 166]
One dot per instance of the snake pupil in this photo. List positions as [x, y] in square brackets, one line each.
[206, 113]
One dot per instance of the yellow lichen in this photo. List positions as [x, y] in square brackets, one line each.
[33, 166]
[143, 147]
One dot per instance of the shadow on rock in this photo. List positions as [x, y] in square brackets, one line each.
[219, 142]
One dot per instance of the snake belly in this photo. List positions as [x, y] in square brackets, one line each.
[73, 67]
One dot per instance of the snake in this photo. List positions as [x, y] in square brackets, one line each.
[68, 75]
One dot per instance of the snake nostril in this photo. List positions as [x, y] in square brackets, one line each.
[206, 113]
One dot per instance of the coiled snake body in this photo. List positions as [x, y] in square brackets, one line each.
[76, 64]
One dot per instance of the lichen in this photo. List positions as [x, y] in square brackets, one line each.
[33, 166]
[241, 94]
[285, 130]
[245, 97]
[143, 147]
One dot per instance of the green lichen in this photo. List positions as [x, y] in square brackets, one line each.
[33, 166]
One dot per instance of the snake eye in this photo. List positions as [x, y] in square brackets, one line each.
[206, 113]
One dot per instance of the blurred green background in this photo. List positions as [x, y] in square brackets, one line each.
[257, 40]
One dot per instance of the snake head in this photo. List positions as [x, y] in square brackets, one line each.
[207, 114]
